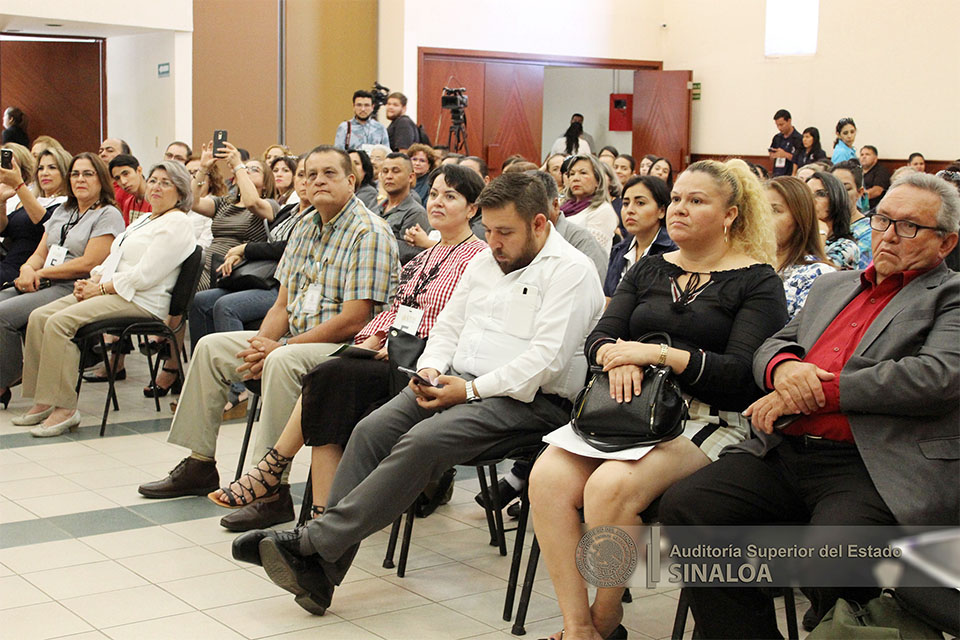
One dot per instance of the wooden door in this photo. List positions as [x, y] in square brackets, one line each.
[60, 86]
[513, 112]
[661, 115]
[437, 72]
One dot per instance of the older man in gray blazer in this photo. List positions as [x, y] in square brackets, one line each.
[862, 422]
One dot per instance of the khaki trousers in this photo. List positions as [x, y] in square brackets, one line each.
[214, 366]
[51, 360]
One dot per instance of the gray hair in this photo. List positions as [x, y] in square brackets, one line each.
[548, 183]
[602, 193]
[948, 217]
[180, 178]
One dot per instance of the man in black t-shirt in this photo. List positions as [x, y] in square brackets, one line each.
[785, 144]
[403, 131]
[876, 178]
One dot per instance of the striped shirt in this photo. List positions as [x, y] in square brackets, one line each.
[452, 260]
[352, 257]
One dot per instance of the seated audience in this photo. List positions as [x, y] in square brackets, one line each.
[178, 151]
[644, 213]
[284, 168]
[876, 178]
[810, 151]
[572, 142]
[552, 166]
[22, 229]
[135, 281]
[26, 165]
[366, 181]
[505, 363]
[624, 167]
[833, 212]
[333, 278]
[843, 148]
[42, 143]
[856, 449]
[378, 154]
[800, 257]
[337, 393]
[587, 200]
[661, 168]
[718, 298]
[806, 171]
[274, 151]
[645, 163]
[110, 148]
[850, 175]
[917, 162]
[607, 155]
[614, 188]
[424, 160]
[131, 198]
[401, 210]
[76, 238]
[477, 164]
[201, 223]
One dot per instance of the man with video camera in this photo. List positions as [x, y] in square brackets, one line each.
[361, 129]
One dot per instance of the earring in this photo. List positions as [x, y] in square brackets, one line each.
[725, 229]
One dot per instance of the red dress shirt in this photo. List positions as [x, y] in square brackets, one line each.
[835, 347]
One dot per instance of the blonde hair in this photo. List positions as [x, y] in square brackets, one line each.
[62, 159]
[752, 230]
[47, 142]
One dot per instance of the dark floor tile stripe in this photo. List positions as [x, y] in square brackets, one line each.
[17, 440]
[18, 534]
[91, 523]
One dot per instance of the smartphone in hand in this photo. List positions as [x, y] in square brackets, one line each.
[416, 377]
[6, 158]
[219, 137]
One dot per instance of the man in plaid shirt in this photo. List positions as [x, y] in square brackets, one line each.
[338, 270]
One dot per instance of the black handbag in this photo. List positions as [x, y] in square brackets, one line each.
[246, 275]
[656, 415]
[403, 350]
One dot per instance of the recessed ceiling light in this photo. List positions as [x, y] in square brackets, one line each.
[14, 30]
[53, 24]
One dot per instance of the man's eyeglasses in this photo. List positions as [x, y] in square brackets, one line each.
[903, 228]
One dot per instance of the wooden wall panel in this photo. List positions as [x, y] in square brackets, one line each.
[60, 86]
[439, 72]
[513, 112]
[661, 115]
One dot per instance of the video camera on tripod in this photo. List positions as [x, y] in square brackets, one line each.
[455, 100]
[380, 94]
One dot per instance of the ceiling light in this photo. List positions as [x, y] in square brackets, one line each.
[53, 24]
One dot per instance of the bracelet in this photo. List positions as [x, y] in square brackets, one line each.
[240, 166]
[18, 188]
[103, 291]
[663, 355]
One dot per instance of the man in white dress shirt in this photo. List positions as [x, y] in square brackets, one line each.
[507, 357]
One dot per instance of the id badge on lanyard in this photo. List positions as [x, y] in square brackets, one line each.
[56, 254]
[408, 319]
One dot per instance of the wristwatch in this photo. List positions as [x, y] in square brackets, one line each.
[283, 341]
[471, 394]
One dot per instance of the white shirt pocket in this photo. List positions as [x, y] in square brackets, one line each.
[521, 306]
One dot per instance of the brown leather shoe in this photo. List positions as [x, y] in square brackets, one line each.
[191, 477]
[262, 513]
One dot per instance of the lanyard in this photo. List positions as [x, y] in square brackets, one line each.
[149, 219]
[65, 229]
[425, 279]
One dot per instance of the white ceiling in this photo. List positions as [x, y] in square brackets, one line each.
[16, 25]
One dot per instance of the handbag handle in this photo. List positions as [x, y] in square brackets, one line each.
[664, 338]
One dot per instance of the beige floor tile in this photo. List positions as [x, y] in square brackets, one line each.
[462, 545]
[205, 530]
[371, 597]
[124, 544]
[18, 592]
[370, 559]
[543, 628]
[23, 470]
[61, 504]
[84, 579]
[652, 615]
[499, 566]
[48, 555]
[224, 549]
[177, 564]
[10, 457]
[221, 589]
[91, 461]
[151, 453]
[54, 450]
[89, 635]
[41, 621]
[429, 622]
[448, 581]
[13, 512]
[339, 631]
[272, 616]
[115, 608]
[117, 444]
[117, 475]
[37, 487]
[127, 495]
[487, 607]
[186, 625]
[5, 571]
[436, 524]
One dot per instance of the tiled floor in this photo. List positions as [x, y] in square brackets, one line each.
[83, 556]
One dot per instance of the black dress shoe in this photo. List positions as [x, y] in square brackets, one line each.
[303, 576]
[262, 513]
[810, 619]
[514, 510]
[191, 477]
[119, 375]
[246, 547]
[507, 494]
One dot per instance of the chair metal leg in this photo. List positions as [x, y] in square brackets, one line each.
[251, 417]
[307, 502]
[501, 536]
[517, 556]
[154, 368]
[487, 511]
[392, 543]
[793, 632]
[680, 620]
[111, 391]
[527, 590]
[405, 543]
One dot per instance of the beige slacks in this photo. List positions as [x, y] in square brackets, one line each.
[214, 366]
[51, 360]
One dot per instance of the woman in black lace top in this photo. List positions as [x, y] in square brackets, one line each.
[719, 298]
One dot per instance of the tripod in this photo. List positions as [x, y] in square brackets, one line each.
[457, 138]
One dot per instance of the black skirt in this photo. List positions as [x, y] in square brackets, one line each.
[338, 393]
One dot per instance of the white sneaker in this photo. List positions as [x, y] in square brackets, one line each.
[70, 424]
[30, 419]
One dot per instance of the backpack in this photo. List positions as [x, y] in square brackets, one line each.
[422, 134]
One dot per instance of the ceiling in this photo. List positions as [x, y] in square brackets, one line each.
[17, 25]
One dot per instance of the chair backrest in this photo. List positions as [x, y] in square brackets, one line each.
[186, 285]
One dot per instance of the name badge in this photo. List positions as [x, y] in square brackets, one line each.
[56, 254]
[312, 299]
[408, 319]
[110, 265]
[780, 163]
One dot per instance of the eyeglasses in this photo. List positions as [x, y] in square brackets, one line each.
[821, 193]
[903, 228]
[166, 184]
[85, 174]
